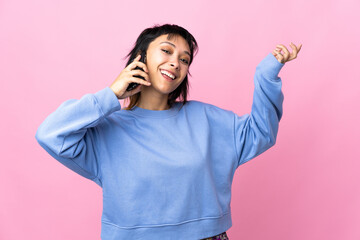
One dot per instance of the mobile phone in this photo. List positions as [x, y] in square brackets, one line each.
[134, 85]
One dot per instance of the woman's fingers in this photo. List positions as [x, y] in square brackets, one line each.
[286, 52]
[130, 75]
[294, 52]
[286, 56]
[279, 56]
[137, 63]
[140, 81]
[297, 48]
[293, 46]
[140, 73]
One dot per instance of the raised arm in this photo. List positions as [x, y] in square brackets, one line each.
[69, 134]
[256, 132]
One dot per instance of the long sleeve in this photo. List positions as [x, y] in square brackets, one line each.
[256, 132]
[69, 134]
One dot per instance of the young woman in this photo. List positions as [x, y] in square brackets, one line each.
[165, 166]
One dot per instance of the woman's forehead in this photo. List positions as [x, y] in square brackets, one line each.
[176, 41]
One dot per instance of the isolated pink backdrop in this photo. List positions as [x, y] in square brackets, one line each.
[305, 187]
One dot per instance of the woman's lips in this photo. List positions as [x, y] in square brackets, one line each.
[167, 77]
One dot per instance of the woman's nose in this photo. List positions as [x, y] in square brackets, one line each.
[174, 63]
[176, 66]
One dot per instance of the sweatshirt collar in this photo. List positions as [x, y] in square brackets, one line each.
[154, 113]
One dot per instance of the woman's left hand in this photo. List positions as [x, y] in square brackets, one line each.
[286, 56]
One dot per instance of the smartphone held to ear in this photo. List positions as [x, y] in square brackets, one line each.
[134, 85]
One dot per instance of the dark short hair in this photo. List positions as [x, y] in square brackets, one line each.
[142, 44]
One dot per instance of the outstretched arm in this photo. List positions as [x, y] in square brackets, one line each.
[256, 132]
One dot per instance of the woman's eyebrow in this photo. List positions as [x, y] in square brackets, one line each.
[175, 47]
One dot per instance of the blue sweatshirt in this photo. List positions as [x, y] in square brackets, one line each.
[164, 174]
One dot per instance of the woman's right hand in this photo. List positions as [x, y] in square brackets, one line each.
[126, 77]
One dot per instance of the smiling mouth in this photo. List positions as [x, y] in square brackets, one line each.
[167, 75]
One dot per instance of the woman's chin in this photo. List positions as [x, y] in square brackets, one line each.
[162, 89]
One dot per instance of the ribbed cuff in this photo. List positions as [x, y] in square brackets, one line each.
[270, 67]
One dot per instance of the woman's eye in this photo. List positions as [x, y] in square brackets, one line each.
[168, 52]
[185, 61]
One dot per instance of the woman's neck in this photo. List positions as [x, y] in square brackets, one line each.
[152, 100]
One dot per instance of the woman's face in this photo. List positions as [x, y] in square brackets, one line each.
[166, 59]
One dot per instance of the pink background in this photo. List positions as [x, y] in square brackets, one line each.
[305, 187]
